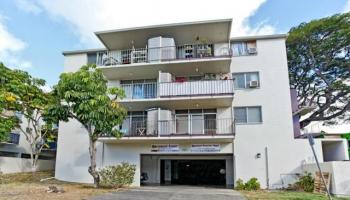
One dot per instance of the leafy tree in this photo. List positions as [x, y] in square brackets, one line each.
[84, 96]
[319, 67]
[22, 93]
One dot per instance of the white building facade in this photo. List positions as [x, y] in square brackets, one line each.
[15, 153]
[203, 108]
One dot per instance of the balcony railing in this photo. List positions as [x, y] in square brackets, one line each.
[178, 89]
[196, 88]
[177, 127]
[161, 54]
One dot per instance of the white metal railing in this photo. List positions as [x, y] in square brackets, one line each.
[159, 54]
[196, 88]
[177, 89]
[177, 127]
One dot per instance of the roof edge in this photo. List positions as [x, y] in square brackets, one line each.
[259, 37]
[164, 25]
[82, 51]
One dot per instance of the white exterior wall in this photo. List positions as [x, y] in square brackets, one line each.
[73, 62]
[340, 174]
[72, 159]
[276, 130]
[15, 165]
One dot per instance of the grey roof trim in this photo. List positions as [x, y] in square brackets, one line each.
[164, 25]
[82, 51]
[258, 37]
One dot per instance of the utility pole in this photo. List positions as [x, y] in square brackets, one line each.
[312, 142]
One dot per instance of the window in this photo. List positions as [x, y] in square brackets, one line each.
[140, 89]
[92, 58]
[246, 80]
[8, 154]
[14, 138]
[195, 121]
[135, 123]
[244, 48]
[246, 115]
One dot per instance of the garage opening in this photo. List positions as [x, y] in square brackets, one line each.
[193, 172]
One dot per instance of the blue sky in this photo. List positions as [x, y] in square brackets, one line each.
[34, 33]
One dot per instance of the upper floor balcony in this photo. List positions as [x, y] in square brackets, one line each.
[145, 94]
[183, 47]
[163, 54]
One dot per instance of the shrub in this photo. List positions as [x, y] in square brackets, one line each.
[306, 183]
[252, 184]
[117, 176]
[240, 184]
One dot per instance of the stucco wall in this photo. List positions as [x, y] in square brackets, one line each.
[15, 165]
[72, 159]
[276, 130]
[340, 175]
[73, 62]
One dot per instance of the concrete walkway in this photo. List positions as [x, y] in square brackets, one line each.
[172, 193]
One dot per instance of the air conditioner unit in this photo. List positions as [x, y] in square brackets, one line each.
[253, 84]
[252, 50]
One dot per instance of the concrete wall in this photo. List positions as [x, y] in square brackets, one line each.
[73, 62]
[15, 165]
[275, 133]
[72, 159]
[340, 176]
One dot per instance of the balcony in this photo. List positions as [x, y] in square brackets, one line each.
[178, 60]
[191, 127]
[174, 95]
[177, 89]
[162, 54]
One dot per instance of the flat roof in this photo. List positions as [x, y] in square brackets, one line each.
[258, 37]
[183, 33]
[81, 51]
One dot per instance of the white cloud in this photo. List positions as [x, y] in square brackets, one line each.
[88, 16]
[347, 7]
[28, 6]
[10, 47]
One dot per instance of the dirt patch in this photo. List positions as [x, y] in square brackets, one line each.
[25, 186]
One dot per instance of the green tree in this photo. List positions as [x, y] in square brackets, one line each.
[319, 67]
[84, 96]
[22, 93]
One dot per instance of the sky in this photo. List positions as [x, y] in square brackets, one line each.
[33, 33]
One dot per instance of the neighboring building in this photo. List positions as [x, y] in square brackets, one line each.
[204, 108]
[15, 153]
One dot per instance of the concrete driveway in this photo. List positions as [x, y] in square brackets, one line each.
[172, 193]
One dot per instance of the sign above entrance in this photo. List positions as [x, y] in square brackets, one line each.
[165, 148]
[205, 148]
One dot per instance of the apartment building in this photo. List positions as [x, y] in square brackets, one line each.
[203, 108]
[15, 152]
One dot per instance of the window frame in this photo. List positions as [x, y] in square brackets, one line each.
[245, 80]
[247, 115]
[245, 43]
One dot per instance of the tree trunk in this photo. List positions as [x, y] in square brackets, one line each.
[92, 168]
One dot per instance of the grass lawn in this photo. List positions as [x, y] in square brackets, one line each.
[285, 195]
[23, 186]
